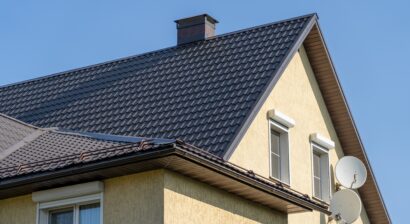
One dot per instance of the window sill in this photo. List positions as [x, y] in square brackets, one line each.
[277, 181]
[321, 201]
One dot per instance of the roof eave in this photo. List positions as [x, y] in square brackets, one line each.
[174, 157]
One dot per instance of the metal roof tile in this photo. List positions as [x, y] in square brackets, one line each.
[180, 92]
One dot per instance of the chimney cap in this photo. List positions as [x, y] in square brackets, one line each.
[193, 20]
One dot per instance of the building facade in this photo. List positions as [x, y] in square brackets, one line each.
[244, 127]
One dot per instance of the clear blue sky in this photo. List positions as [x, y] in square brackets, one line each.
[369, 42]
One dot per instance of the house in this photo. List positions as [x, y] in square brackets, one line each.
[243, 127]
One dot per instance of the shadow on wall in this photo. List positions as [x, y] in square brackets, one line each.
[216, 205]
[318, 95]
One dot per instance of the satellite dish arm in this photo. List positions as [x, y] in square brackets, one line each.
[354, 179]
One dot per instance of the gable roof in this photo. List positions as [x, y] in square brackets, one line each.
[205, 93]
[199, 92]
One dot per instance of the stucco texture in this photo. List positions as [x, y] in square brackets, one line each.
[297, 95]
[18, 210]
[156, 197]
[134, 198]
[190, 201]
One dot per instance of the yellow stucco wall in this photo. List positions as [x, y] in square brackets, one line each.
[190, 201]
[18, 210]
[134, 198]
[297, 95]
[156, 197]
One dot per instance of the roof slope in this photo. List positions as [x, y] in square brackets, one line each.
[12, 132]
[200, 92]
[52, 149]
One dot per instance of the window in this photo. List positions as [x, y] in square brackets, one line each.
[77, 204]
[275, 154]
[279, 152]
[317, 184]
[320, 171]
[75, 214]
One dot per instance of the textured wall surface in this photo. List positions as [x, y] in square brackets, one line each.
[189, 201]
[134, 198]
[297, 95]
[18, 210]
[158, 196]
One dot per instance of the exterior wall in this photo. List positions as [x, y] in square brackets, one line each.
[137, 198]
[156, 197]
[297, 95]
[189, 201]
[18, 210]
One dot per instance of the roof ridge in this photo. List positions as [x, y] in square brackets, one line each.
[122, 59]
[26, 140]
[110, 137]
[100, 136]
[19, 121]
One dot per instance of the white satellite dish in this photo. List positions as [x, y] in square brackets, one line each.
[351, 172]
[346, 206]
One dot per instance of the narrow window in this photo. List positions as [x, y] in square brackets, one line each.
[317, 175]
[279, 152]
[320, 172]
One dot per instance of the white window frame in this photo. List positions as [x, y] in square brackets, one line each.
[68, 197]
[325, 188]
[284, 150]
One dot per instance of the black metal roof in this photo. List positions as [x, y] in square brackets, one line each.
[31, 149]
[200, 92]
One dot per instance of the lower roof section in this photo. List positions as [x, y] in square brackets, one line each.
[177, 156]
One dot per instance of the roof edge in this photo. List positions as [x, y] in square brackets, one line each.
[186, 152]
[120, 59]
[354, 123]
[250, 117]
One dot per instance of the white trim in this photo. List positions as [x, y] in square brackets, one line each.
[281, 118]
[321, 140]
[68, 192]
[69, 201]
[285, 176]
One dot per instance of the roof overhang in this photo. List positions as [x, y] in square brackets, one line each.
[311, 38]
[342, 120]
[176, 157]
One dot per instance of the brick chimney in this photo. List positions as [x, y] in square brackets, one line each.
[195, 28]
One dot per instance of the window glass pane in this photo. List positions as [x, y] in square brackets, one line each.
[275, 154]
[317, 180]
[318, 191]
[275, 142]
[316, 165]
[61, 217]
[275, 165]
[90, 214]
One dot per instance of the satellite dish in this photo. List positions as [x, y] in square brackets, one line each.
[346, 206]
[351, 172]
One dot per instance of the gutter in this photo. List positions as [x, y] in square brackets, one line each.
[179, 149]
